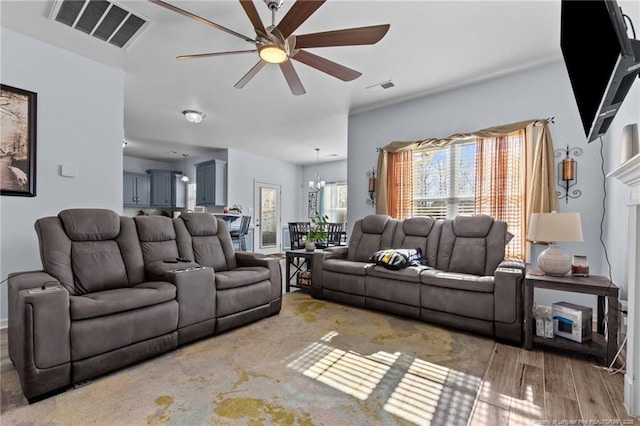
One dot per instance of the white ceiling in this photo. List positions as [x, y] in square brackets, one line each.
[431, 46]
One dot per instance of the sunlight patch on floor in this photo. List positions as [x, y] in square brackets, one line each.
[420, 391]
[429, 393]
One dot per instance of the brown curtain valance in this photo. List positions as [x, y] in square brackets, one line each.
[541, 196]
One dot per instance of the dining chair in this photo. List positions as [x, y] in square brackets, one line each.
[238, 236]
[335, 233]
[297, 234]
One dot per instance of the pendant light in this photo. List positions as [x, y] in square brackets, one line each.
[318, 184]
[184, 177]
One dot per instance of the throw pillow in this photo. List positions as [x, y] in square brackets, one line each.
[396, 259]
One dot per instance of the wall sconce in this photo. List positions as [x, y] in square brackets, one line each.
[371, 174]
[568, 173]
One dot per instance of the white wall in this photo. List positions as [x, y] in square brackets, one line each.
[541, 92]
[333, 171]
[244, 169]
[618, 194]
[141, 165]
[80, 123]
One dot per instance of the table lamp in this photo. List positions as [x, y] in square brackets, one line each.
[552, 228]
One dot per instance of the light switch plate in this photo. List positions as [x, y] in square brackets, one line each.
[68, 170]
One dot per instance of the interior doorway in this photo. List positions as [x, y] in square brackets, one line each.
[268, 228]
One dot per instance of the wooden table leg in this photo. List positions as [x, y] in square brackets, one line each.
[600, 323]
[287, 272]
[612, 329]
[528, 315]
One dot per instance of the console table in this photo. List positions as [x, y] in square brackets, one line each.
[602, 344]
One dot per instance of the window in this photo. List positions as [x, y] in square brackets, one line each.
[502, 171]
[334, 202]
[444, 180]
[474, 176]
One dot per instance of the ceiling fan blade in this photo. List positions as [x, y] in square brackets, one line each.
[321, 64]
[207, 55]
[201, 20]
[248, 76]
[297, 14]
[252, 13]
[346, 37]
[292, 78]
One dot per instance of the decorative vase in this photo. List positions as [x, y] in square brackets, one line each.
[554, 261]
[310, 245]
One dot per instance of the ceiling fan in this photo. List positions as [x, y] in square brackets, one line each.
[277, 44]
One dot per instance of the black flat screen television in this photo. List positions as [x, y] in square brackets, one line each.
[602, 60]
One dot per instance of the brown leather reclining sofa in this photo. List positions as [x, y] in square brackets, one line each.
[465, 283]
[110, 293]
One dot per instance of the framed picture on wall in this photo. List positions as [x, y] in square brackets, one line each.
[313, 204]
[18, 112]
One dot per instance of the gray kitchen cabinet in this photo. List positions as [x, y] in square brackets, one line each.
[167, 190]
[136, 190]
[211, 183]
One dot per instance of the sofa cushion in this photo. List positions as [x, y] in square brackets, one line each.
[240, 277]
[395, 259]
[410, 273]
[199, 224]
[347, 267]
[421, 232]
[97, 266]
[476, 226]
[155, 228]
[92, 305]
[458, 281]
[370, 234]
[90, 224]
[471, 245]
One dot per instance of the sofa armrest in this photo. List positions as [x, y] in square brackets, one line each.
[513, 264]
[196, 294]
[156, 271]
[273, 264]
[507, 294]
[339, 252]
[316, 271]
[507, 303]
[39, 332]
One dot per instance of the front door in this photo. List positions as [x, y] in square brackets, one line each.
[268, 230]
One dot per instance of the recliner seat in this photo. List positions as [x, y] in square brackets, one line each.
[465, 281]
[107, 298]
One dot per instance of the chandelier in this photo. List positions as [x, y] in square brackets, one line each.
[318, 184]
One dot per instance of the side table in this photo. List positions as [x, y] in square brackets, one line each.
[293, 258]
[603, 344]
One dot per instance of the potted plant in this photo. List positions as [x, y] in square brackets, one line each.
[317, 231]
[237, 209]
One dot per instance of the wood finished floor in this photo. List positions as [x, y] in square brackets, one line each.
[539, 387]
[547, 387]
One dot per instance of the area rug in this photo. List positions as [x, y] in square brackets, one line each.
[316, 363]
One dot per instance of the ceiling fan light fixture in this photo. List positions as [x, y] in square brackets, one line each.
[273, 54]
[193, 116]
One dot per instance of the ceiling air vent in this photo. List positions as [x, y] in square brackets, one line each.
[102, 19]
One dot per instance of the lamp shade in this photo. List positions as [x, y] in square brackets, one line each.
[553, 227]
